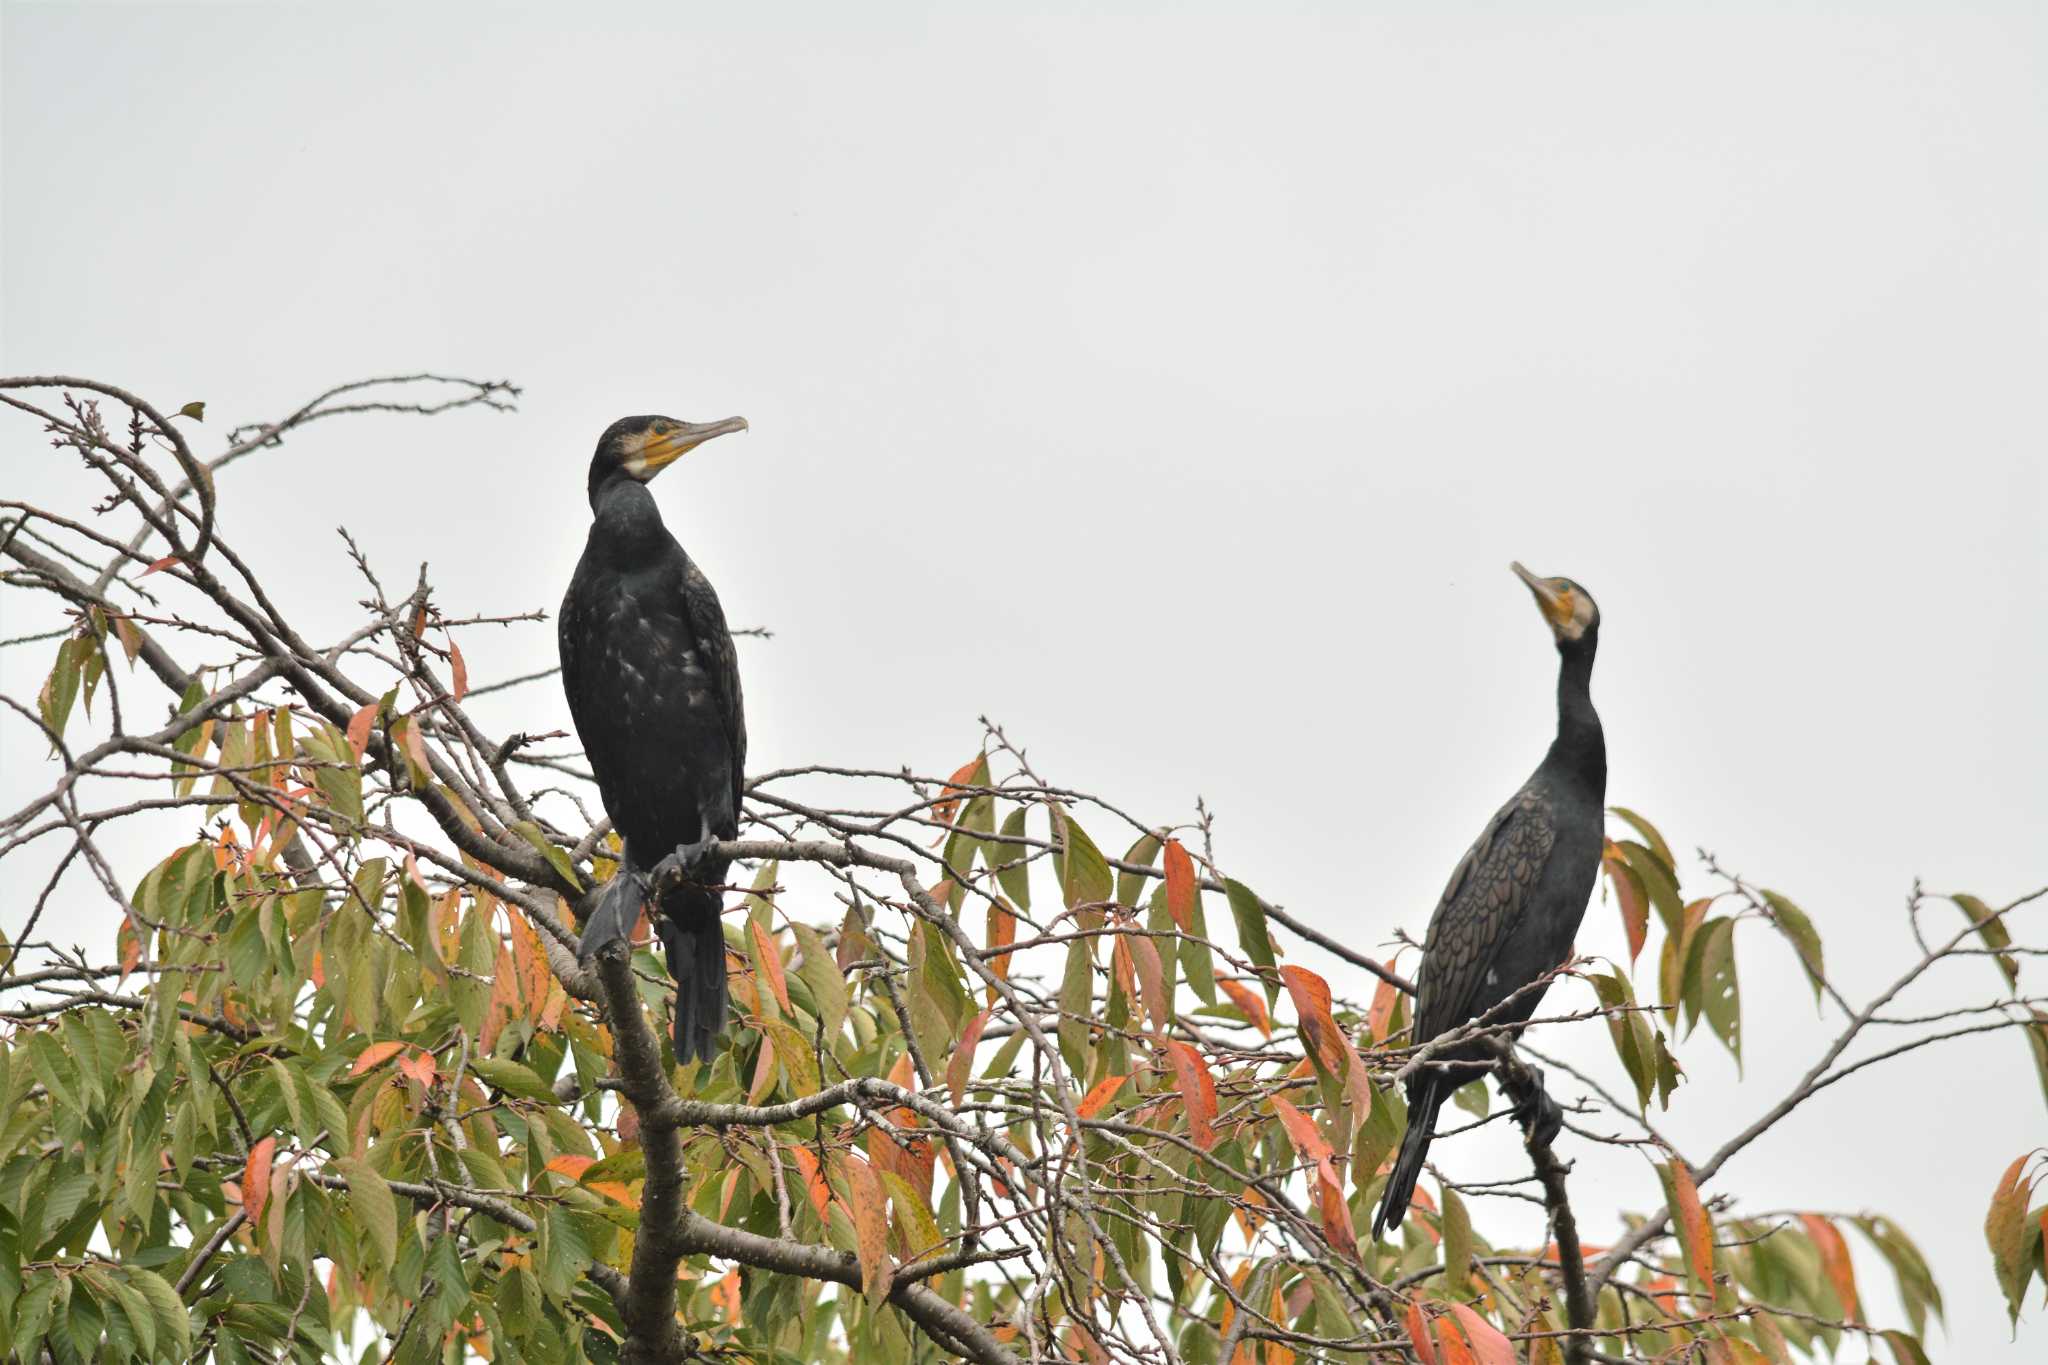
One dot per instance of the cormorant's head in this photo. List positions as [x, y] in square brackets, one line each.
[1568, 609]
[638, 448]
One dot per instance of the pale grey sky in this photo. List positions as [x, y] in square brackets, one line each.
[1174, 385]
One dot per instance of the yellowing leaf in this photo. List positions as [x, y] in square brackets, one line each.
[771, 964]
[1834, 1260]
[1249, 1003]
[870, 1228]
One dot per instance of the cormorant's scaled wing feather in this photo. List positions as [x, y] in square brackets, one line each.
[722, 661]
[1484, 897]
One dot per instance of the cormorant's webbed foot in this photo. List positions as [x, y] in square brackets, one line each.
[1535, 1110]
[676, 867]
[617, 909]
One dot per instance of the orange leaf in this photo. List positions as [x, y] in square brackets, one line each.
[1418, 1333]
[725, 1296]
[571, 1165]
[1384, 997]
[771, 963]
[359, 730]
[870, 1228]
[163, 563]
[1002, 932]
[956, 786]
[1486, 1340]
[1250, 1003]
[131, 947]
[419, 1067]
[1099, 1095]
[374, 1056]
[1197, 1091]
[814, 1179]
[961, 1068]
[1180, 886]
[1312, 1007]
[1628, 895]
[1834, 1259]
[530, 963]
[459, 668]
[256, 1179]
[1699, 1233]
[1152, 976]
[504, 1000]
[1451, 1349]
[1309, 1141]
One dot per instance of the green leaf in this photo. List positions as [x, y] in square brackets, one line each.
[793, 1053]
[557, 859]
[512, 1078]
[1130, 885]
[1015, 873]
[1252, 935]
[1628, 1031]
[1794, 924]
[1076, 991]
[375, 1210]
[1649, 833]
[1711, 986]
[1472, 1097]
[564, 1251]
[195, 410]
[1994, 933]
[1659, 879]
[1457, 1242]
[1084, 872]
[60, 688]
[822, 975]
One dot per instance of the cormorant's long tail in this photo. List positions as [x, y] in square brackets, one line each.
[696, 959]
[618, 907]
[1428, 1097]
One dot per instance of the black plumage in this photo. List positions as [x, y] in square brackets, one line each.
[1513, 905]
[653, 684]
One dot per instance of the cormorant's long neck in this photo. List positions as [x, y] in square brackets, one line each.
[1580, 748]
[626, 528]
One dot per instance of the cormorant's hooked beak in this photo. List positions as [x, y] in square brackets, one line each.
[1554, 602]
[664, 450]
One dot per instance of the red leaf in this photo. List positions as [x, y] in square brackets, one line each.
[1418, 1333]
[1487, 1342]
[771, 963]
[256, 1179]
[1312, 1007]
[459, 668]
[1834, 1259]
[163, 563]
[374, 1056]
[1180, 886]
[359, 730]
[961, 1067]
[1197, 1091]
[1250, 1003]
[131, 947]
[1099, 1095]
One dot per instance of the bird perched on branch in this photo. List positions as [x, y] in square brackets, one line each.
[654, 688]
[1513, 906]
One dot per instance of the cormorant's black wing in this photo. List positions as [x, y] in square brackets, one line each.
[1486, 894]
[568, 635]
[721, 660]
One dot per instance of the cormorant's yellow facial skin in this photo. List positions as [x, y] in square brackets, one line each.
[1566, 608]
[645, 454]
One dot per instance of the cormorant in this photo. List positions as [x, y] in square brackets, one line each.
[654, 688]
[1514, 903]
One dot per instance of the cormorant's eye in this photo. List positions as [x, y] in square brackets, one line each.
[661, 428]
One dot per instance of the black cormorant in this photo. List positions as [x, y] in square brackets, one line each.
[654, 688]
[1513, 905]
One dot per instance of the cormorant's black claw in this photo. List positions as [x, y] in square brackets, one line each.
[675, 868]
[1539, 1115]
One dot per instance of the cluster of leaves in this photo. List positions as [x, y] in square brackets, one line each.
[347, 1084]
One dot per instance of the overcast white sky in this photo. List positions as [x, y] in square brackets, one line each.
[1174, 386]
